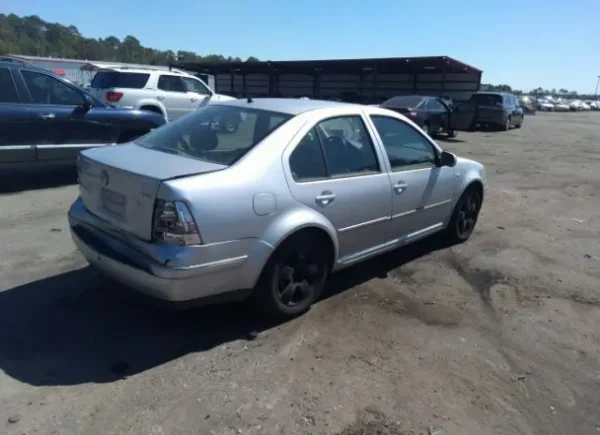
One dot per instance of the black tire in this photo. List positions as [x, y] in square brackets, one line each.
[520, 124]
[506, 125]
[451, 134]
[294, 277]
[464, 217]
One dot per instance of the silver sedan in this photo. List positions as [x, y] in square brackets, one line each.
[301, 189]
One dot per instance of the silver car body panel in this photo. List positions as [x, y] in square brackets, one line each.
[245, 211]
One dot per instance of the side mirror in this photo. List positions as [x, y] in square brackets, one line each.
[447, 159]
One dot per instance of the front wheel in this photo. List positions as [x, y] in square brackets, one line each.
[293, 278]
[451, 133]
[464, 217]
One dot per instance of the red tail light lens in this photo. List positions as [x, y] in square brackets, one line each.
[174, 224]
[113, 97]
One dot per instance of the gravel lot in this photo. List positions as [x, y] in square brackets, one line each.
[500, 335]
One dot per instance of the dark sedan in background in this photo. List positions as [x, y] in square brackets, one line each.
[432, 114]
[45, 120]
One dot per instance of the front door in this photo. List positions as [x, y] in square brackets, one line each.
[461, 116]
[335, 171]
[196, 91]
[422, 192]
[17, 129]
[174, 96]
[64, 125]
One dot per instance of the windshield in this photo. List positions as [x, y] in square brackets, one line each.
[114, 79]
[411, 101]
[217, 134]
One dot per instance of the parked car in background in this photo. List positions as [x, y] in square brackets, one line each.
[303, 188]
[498, 109]
[561, 107]
[171, 93]
[46, 120]
[546, 106]
[528, 104]
[432, 114]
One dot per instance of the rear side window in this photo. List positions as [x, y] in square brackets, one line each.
[8, 92]
[116, 79]
[307, 162]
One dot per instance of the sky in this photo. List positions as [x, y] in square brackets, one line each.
[522, 43]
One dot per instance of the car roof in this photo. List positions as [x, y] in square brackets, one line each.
[125, 69]
[291, 106]
[492, 93]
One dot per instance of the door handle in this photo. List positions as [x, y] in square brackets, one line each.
[325, 198]
[400, 187]
[47, 116]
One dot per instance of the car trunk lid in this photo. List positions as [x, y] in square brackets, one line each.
[119, 183]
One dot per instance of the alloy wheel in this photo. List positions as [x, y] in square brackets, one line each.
[297, 276]
[467, 216]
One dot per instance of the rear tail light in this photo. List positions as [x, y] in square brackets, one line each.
[113, 97]
[174, 224]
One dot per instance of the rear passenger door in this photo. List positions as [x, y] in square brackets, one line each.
[172, 93]
[422, 192]
[17, 129]
[333, 168]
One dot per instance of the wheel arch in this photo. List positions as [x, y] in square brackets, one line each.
[151, 103]
[297, 223]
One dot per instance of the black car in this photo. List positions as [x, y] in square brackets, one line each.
[498, 109]
[432, 114]
[46, 120]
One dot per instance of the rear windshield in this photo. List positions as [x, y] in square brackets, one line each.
[405, 101]
[115, 79]
[487, 99]
[217, 134]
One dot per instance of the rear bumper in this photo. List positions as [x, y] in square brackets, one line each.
[166, 272]
[491, 118]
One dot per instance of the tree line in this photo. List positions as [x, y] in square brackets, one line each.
[538, 92]
[36, 37]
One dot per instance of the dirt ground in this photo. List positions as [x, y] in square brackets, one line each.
[500, 335]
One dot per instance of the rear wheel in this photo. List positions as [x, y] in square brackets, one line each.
[506, 125]
[464, 217]
[520, 124]
[294, 277]
[451, 133]
[151, 109]
[230, 124]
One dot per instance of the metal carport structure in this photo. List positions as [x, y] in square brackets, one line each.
[357, 80]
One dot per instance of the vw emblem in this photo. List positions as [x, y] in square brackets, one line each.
[104, 177]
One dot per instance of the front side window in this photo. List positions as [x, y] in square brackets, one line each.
[171, 83]
[200, 135]
[193, 85]
[8, 91]
[404, 145]
[406, 101]
[49, 90]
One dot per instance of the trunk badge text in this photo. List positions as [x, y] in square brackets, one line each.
[104, 177]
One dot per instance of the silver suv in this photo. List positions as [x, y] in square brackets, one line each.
[303, 188]
[172, 93]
